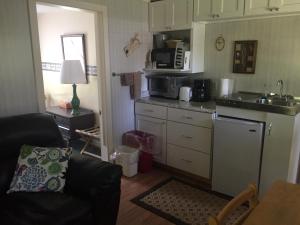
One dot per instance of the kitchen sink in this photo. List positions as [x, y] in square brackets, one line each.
[286, 104]
[287, 101]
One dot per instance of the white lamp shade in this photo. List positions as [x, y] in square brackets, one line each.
[72, 72]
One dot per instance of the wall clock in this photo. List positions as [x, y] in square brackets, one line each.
[220, 43]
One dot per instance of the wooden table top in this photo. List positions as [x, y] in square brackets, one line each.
[280, 206]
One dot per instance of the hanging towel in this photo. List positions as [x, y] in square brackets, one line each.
[134, 81]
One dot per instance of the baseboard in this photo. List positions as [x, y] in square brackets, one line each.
[185, 176]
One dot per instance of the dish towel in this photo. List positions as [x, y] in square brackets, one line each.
[134, 81]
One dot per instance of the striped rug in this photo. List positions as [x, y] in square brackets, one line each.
[183, 204]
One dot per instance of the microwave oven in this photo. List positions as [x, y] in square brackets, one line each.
[166, 86]
[169, 58]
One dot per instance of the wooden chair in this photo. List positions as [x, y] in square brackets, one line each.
[250, 195]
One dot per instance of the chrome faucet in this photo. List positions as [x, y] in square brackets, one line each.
[280, 84]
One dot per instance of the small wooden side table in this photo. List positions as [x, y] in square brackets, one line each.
[68, 123]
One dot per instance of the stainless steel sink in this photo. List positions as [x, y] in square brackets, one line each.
[287, 101]
[287, 105]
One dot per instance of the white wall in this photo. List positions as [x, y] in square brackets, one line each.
[278, 54]
[17, 83]
[51, 26]
[126, 17]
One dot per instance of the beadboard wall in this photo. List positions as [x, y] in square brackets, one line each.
[278, 55]
[125, 18]
[17, 83]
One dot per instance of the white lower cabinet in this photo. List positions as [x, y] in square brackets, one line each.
[188, 136]
[277, 159]
[188, 160]
[183, 136]
[156, 127]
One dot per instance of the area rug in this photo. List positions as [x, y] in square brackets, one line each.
[182, 204]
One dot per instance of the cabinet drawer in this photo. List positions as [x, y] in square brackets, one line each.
[188, 160]
[190, 117]
[188, 136]
[151, 110]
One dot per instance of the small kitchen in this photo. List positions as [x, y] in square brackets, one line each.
[223, 83]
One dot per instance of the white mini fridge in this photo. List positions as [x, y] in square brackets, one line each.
[237, 154]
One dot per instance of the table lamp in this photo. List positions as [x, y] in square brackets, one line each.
[72, 73]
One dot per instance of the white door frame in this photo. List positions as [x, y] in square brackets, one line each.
[103, 64]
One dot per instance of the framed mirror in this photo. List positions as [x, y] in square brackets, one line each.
[73, 47]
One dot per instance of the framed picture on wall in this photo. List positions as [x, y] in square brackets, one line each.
[244, 58]
[73, 48]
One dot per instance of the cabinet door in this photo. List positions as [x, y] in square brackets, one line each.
[276, 151]
[257, 7]
[158, 128]
[158, 15]
[202, 10]
[285, 5]
[227, 8]
[181, 14]
[188, 160]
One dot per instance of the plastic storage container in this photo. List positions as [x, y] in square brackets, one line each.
[127, 157]
[145, 142]
[141, 140]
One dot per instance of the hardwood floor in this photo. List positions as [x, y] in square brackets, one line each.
[131, 214]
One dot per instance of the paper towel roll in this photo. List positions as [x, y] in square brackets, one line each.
[226, 87]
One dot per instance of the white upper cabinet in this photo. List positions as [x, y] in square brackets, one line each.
[257, 7]
[285, 5]
[227, 8]
[170, 15]
[158, 15]
[217, 9]
[202, 10]
[182, 14]
[266, 7]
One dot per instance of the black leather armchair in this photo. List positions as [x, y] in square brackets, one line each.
[92, 191]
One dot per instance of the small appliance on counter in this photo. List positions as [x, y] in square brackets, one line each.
[166, 85]
[170, 58]
[201, 90]
[185, 94]
[226, 87]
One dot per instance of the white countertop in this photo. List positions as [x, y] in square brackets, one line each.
[207, 107]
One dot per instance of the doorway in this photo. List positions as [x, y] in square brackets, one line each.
[96, 94]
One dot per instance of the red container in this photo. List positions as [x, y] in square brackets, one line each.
[145, 162]
[140, 140]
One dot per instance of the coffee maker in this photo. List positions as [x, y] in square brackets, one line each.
[201, 90]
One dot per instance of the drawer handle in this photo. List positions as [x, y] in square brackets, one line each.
[148, 110]
[64, 128]
[187, 137]
[187, 161]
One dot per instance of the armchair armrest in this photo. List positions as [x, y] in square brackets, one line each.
[97, 181]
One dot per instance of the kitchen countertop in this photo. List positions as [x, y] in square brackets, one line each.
[206, 107]
[249, 101]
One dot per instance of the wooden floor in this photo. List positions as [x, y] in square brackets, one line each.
[131, 214]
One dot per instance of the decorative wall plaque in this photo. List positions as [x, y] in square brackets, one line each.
[220, 43]
[244, 58]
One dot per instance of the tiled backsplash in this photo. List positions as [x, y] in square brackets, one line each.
[56, 67]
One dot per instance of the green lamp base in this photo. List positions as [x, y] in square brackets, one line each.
[75, 102]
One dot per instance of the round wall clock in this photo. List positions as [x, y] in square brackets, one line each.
[220, 43]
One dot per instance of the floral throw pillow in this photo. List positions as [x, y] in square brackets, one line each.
[40, 169]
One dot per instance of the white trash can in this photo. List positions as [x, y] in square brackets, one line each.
[127, 157]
